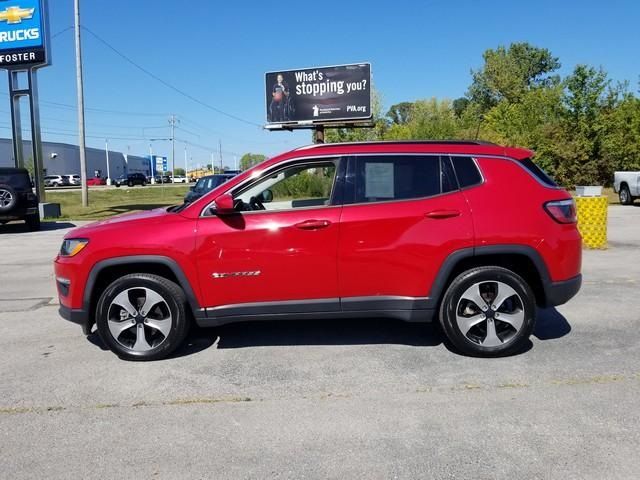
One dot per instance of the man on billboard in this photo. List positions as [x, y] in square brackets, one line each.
[279, 108]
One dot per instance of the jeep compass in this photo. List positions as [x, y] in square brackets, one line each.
[471, 235]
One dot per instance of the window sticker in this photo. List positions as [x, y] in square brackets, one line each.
[379, 180]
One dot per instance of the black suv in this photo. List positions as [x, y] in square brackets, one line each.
[205, 185]
[131, 180]
[17, 200]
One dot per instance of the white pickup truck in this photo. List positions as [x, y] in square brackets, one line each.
[627, 185]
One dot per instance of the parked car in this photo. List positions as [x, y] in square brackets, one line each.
[412, 231]
[17, 200]
[96, 181]
[131, 180]
[627, 186]
[73, 179]
[163, 179]
[56, 181]
[205, 185]
[179, 179]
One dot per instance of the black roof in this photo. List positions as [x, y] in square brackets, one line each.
[13, 171]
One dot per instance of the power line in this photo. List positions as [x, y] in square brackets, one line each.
[207, 148]
[55, 35]
[167, 84]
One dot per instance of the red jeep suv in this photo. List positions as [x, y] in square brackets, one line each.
[472, 234]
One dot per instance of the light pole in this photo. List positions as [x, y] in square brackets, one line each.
[81, 125]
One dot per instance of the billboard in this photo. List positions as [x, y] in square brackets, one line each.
[319, 95]
[23, 33]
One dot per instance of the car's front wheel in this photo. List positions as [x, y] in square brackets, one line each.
[488, 312]
[142, 317]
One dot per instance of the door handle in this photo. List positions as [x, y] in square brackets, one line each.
[442, 214]
[313, 224]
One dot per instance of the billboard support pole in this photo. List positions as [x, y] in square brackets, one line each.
[319, 134]
[16, 122]
[16, 93]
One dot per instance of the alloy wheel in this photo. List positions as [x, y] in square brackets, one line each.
[139, 319]
[5, 198]
[490, 313]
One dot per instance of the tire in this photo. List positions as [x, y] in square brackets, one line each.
[117, 185]
[625, 195]
[150, 337]
[130, 184]
[144, 184]
[8, 198]
[488, 333]
[33, 222]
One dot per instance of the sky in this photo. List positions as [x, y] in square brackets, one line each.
[218, 52]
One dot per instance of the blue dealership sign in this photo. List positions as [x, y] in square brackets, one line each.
[158, 164]
[23, 33]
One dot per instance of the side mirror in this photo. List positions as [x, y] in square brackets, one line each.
[224, 205]
[267, 196]
[192, 188]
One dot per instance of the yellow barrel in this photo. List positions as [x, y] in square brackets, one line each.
[592, 221]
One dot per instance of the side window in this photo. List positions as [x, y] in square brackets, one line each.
[466, 171]
[298, 186]
[449, 183]
[396, 177]
[538, 173]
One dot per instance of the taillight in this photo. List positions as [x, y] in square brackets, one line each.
[562, 211]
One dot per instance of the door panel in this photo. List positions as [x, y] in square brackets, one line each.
[395, 248]
[268, 256]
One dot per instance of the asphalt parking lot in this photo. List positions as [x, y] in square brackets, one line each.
[334, 399]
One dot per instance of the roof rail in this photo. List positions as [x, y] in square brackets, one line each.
[404, 142]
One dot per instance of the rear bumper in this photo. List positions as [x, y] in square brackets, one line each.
[79, 317]
[559, 293]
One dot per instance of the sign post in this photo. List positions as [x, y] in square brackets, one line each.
[24, 48]
[318, 98]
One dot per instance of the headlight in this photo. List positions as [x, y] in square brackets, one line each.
[73, 246]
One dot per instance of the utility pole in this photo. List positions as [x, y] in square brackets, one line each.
[81, 125]
[106, 149]
[220, 153]
[172, 122]
[186, 163]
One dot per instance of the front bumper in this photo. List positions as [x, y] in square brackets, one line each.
[559, 293]
[79, 317]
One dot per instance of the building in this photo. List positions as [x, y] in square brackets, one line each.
[64, 159]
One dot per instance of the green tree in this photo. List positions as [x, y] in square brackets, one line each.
[431, 119]
[400, 113]
[179, 172]
[248, 160]
[621, 142]
[508, 73]
[580, 145]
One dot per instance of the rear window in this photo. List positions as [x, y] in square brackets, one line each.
[399, 177]
[538, 172]
[466, 171]
[19, 181]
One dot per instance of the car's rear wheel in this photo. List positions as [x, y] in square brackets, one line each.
[33, 222]
[488, 312]
[625, 195]
[142, 317]
[8, 198]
